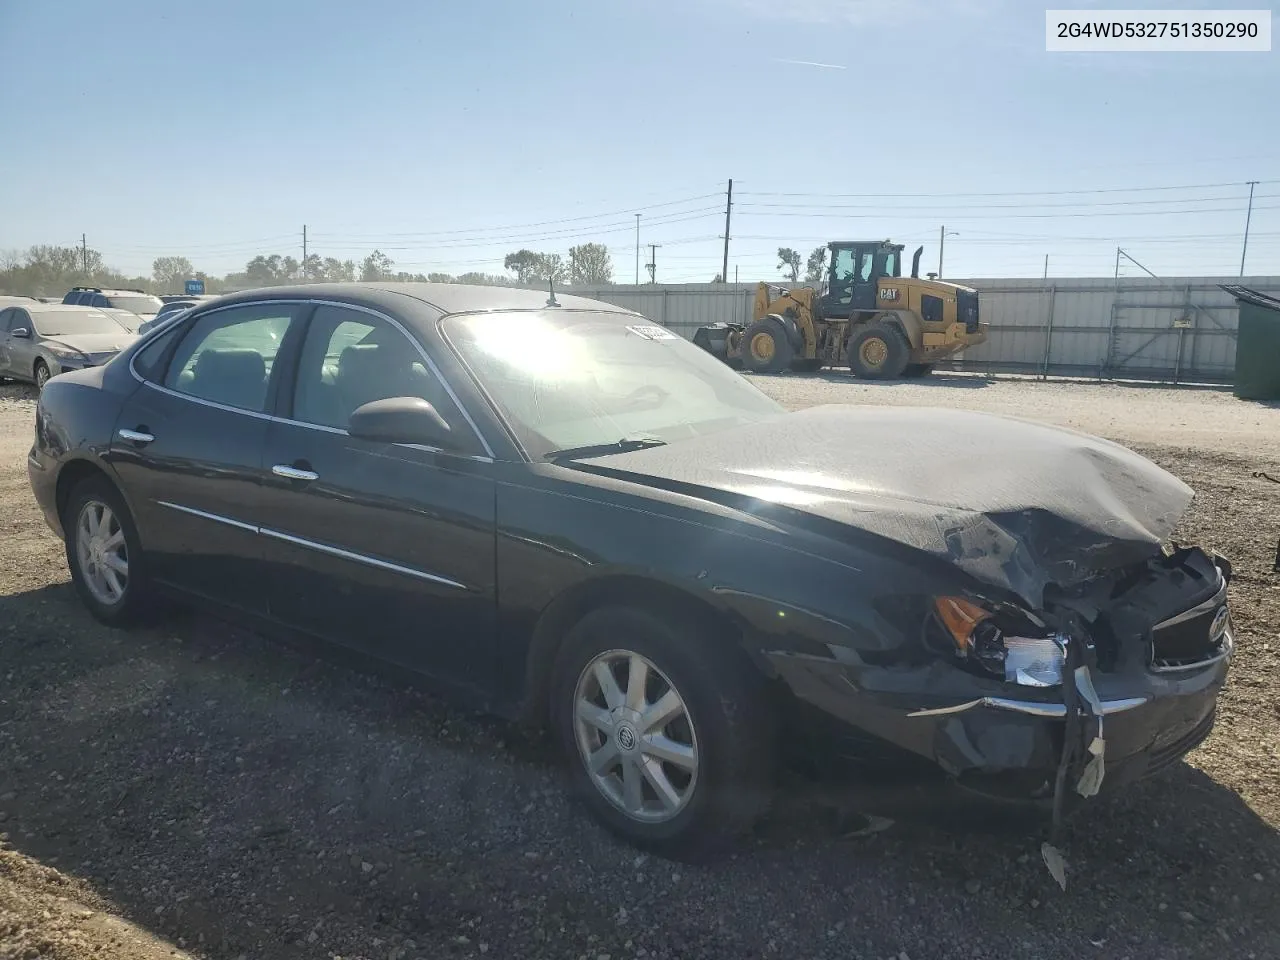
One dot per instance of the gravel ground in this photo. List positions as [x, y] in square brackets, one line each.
[201, 791]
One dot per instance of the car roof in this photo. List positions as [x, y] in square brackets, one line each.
[71, 308]
[446, 298]
[118, 291]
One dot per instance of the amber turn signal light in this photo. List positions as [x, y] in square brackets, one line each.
[960, 617]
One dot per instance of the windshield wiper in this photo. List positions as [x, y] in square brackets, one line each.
[625, 445]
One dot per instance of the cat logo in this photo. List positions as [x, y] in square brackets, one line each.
[889, 293]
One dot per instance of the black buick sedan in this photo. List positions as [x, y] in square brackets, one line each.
[566, 514]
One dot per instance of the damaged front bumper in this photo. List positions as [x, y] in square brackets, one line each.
[1050, 748]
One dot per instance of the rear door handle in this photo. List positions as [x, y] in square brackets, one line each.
[135, 436]
[293, 473]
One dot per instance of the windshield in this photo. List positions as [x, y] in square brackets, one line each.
[139, 304]
[568, 379]
[76, 322]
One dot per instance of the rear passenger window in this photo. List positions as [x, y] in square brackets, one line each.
[226, 356]
[149, 360]
[350, 358]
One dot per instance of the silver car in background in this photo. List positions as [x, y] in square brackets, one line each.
[42, 340]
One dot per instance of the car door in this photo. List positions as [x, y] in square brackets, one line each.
[21, 353]
[865, 281]
[385, 547]
[5, 317]
[188, 448]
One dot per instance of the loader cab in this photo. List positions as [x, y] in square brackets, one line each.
[855, 272]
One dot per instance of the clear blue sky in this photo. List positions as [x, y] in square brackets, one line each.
[439, 131]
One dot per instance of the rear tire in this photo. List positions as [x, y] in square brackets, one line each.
[683, 764]
[766, 348]
[104, 555]
[878, 352]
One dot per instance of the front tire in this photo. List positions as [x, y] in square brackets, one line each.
[669, 738]
[766, 348]
[104, 555]
[40, 374]
[878, 352]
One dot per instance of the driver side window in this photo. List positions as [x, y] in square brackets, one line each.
[350, 358]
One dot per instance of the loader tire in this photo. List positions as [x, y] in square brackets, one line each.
[766, 348]
[878, 352]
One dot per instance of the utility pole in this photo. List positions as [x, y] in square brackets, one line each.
[1046, 266]
[728, 213]
[1248, 217]
[942, 244]
[637, 249]
[84, 254]
[653, 262]
[304, 251]
[735, 273]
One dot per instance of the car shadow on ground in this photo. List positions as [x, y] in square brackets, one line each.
[221, 787]
[16, 390]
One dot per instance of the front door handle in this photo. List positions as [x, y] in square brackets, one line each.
[135, 436]
[294, 473]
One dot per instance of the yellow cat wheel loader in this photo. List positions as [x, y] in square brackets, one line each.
[867, 317]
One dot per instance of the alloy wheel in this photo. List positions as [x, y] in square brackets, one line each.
[102, 552]
[635, 736]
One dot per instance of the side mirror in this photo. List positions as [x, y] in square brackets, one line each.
[401, 420]
[20, 333]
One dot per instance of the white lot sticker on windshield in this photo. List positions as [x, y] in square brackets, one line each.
[653, 333]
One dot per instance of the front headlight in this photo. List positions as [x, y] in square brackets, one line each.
[993, 643]
[66, 353]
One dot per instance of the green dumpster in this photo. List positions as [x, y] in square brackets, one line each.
[1257, 344]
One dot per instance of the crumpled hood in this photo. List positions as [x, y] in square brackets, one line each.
[94, 343]
[1016, 504]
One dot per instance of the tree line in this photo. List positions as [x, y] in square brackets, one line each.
[50, 271]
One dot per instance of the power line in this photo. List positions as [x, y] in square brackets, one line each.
[683, 217]
[996, 206]
[521, 226]
[210, 247]
[1027, 216]
[1009, 193]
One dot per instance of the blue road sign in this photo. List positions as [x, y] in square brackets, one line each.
[195, 288]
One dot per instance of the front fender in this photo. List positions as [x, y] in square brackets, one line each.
[782, 590]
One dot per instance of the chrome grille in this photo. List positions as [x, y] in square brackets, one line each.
[1195, 637]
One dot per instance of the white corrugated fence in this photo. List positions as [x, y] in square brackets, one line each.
[1180, 329]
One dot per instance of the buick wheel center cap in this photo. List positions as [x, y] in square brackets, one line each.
[627, 737]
